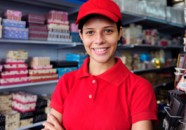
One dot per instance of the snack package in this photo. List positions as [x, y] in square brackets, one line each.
[181, 85]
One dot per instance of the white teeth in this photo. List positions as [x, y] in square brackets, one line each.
[100, 49]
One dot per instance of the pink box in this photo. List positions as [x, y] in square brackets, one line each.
[57, 17]
[34, 18]
[13, 14]
[1, 67]
[12, 81]
[14, 73]
[15, 66]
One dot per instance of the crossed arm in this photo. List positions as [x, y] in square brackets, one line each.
[54, 121]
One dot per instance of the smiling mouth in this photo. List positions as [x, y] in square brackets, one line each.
[100, 51]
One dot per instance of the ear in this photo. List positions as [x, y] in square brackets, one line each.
[120, 32]
[80, 34]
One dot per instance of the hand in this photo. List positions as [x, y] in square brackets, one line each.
[52, 123]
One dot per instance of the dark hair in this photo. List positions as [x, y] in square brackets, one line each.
[85, 19]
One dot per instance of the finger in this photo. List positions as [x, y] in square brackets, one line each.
[54, 120]
[57, 124]
[48, 126]
[44, 129]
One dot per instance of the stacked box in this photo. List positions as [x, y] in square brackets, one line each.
[13, 15]
[1, 68]
[47, 108]
[6, 101]
[38, 32]
[58, 26]
[2, 122]
[39, 113]
[74, 33]
[64, 66]
[76, 57]
[41, 70]
[15, 69]
[75, 37]
[0, 28]
[13, 23]
[24, 102]
[61, 71]
[13, 27]
[9, 120]
[26, 122]
[35, 18]
[15, 33]
[37, 28]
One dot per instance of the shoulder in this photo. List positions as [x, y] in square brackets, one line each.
[129, 79]
[139, 80]
[139, 84]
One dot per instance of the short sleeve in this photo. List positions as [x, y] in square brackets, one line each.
[143, 102]
[59, 94]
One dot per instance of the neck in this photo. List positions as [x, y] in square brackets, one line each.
[97, 68]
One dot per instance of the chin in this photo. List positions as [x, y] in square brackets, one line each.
[102, 59]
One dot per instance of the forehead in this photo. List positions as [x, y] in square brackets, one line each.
[98, 18]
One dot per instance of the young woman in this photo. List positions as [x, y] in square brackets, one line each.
[103, 94]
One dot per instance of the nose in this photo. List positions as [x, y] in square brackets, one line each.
[99, 39]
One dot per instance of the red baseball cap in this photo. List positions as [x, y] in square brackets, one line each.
[106, 8]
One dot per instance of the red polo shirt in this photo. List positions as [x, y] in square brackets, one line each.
[112, 100]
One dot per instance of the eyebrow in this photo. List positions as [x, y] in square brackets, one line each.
[110, 26]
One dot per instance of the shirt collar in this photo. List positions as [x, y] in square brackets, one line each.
[115, 75]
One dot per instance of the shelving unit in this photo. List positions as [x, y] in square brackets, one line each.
[153, 70]
[147, 22]
[28, 84]
[163, 84]
[150, 46]
[62, 43]
[42, 6]
[136, 18]
[31, 126]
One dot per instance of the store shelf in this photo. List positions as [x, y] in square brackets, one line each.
[152, 70]
[61, 45]
[137, 18]
[28, 84]
[150, 46]
[163, 84]
[31, 126]
[37, 42]
[52, 4]
[162, 25]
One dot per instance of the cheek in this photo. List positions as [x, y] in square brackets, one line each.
[113, 40]
[86, 42]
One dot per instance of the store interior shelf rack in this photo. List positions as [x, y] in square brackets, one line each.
[28, 84]
[72, 8]
[128, 46]
[133, 18]
[74, 44]
[55, 81]
[153, 70]
[162, 25]
[31, 126]
[62, 43]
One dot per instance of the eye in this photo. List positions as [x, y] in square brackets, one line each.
[108, 31]
[89, 32]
